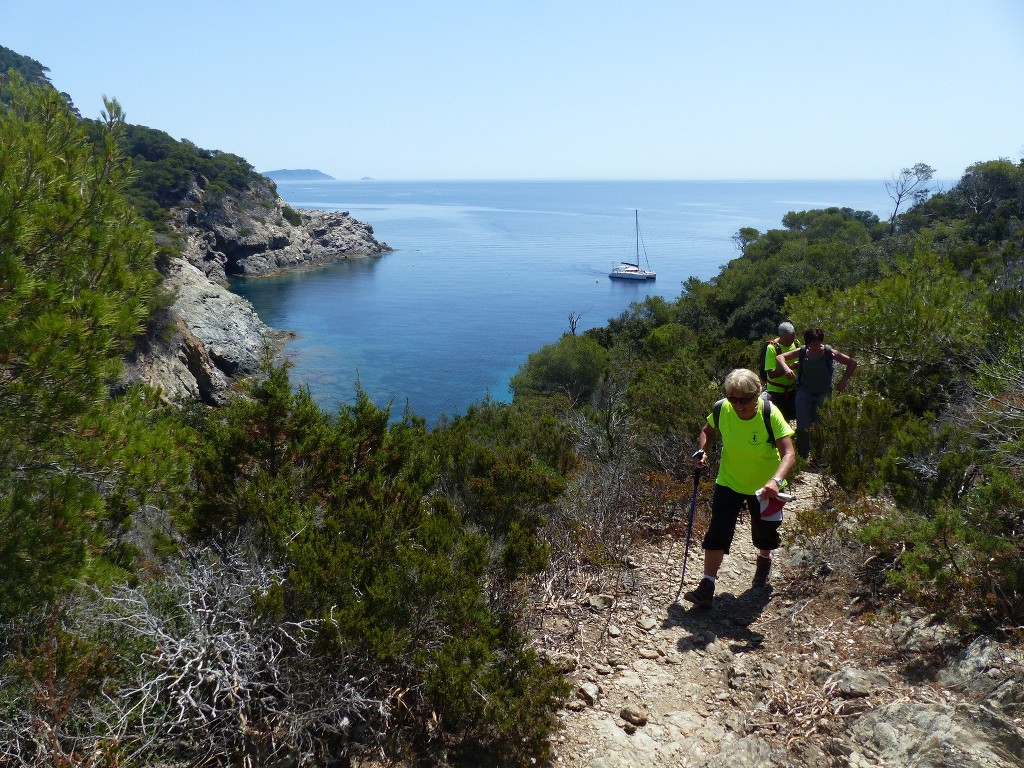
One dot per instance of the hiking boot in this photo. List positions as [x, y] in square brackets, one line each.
[764, 567]
[703, 595]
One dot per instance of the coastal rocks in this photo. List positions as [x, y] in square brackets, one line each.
[211, 336]
[214, 337]
[255, 234]
[323, 237]
[180, 369]
[224, 323]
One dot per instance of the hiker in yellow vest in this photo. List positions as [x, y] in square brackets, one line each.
[780, 387]
[751, 468]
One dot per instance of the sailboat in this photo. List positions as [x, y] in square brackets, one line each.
[628, 270]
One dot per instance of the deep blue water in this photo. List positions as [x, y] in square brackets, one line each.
[484, 273]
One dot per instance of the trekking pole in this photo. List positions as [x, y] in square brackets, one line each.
[689, 531]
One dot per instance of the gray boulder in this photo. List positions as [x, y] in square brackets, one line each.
[989, 673]
[980, 729]
[938, 735]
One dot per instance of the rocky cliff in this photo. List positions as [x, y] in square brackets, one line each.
[210, 337]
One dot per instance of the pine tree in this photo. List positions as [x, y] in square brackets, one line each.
[76, 276]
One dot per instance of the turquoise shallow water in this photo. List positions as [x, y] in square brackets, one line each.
[484, 273]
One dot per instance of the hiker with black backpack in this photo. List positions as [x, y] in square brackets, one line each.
[757, 454]
[780, 388]
[813, 376]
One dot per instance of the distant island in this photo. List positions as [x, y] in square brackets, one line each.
[299, 174]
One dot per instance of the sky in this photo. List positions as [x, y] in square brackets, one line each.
[551, 89]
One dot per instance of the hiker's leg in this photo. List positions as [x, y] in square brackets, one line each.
[765, 536]
[789, 409]
[725, 511]
[805, 412]
[713, 561]
[816, 402]
[762, 570]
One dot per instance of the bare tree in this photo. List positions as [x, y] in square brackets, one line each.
[910, 184]
[574, 321]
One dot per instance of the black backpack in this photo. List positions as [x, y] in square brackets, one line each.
[775, 344]
[766, 411]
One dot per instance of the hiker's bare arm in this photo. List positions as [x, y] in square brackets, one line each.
[787, 460]
[704, 440]
[851, 366]
[784, 358]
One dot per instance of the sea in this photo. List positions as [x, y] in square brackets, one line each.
[484, 273]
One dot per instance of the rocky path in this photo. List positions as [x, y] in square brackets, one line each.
[802, 674]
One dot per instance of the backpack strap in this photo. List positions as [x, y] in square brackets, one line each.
[766, 411]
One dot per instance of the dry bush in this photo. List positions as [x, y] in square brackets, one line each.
[207, 678]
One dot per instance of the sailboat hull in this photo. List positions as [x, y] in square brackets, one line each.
[631, 272]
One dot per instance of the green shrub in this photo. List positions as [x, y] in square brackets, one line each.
[963, 561]
[853, 435]
[77, 284]
[401, 570]
[571, 367]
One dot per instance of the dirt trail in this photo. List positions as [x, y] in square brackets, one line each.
[660, 683]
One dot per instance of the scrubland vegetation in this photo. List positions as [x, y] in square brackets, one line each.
[267, 583]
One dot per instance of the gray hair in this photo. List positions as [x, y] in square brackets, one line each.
[786, 328]
[743, 381]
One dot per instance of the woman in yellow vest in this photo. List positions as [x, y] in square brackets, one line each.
[750, 466]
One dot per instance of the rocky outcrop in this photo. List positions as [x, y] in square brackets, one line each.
[211, 337]
[256, 234]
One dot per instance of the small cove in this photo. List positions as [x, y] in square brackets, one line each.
[484, 273]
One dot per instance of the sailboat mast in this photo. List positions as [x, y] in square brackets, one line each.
[636, 221]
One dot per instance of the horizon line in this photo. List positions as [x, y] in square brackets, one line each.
[371, 179]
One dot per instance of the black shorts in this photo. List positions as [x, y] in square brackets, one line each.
[725, 512]
[786, 402]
